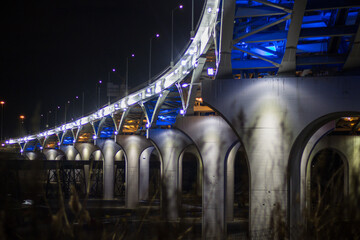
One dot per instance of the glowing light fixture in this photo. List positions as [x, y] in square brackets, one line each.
[184, 85]
[210, 72]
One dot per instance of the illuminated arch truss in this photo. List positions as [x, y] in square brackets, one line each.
[148, 107]
[266, 37]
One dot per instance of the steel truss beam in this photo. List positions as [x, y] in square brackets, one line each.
[288, 63]
[245, 12]
[257, 55]
[194, 86]
[274, 5]
[280, 20]
[224, 68]
[353, 59]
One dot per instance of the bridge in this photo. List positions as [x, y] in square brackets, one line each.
[262, 89]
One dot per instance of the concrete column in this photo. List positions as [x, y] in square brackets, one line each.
[144, 173]
[230, 174]
[170, 143]
[85, 150]
[214, 138]
[70, 152]
[132, 145]
[109, 149]
[52, 154]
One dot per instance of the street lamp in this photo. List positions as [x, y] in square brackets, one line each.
[172, 34]
[98, 93]
[58, 107]
[153, 37]
[22, 118]
[66, 107]
[127, 75]
[2, 118]
[47, 119]
[108, 82]
[192, 33]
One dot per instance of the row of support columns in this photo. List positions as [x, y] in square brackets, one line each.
[209, 138]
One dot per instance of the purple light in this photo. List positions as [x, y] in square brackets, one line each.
[157, 35]
[113, 69]
[184, 85]
[182, 112]
[100, 81]
[181, 6]
[77, 97]
[58, 107]
[132, 55]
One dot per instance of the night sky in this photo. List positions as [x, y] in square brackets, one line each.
[53, 51]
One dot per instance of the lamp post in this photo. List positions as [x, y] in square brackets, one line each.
[47, 119]
[108, 82]
[172, 34]
[82, 104]
[98, 86]
[2, 118]
[58, 107]
[127, 75]
[192, 33]
[66, 106]
[153, 37]
[22, 118]
[74, 107]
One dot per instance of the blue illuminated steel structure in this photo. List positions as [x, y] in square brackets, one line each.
[283, 36]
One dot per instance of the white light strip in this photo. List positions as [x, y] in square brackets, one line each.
[175, 74]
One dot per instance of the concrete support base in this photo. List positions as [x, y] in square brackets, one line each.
[133, 146]
[214, 138]
[170, 143]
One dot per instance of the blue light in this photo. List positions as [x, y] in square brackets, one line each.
[210, 72]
